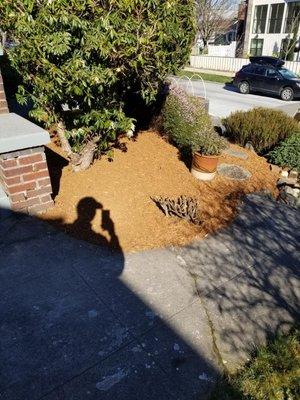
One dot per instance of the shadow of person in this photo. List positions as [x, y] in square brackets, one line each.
[82, 227]
[76, 318]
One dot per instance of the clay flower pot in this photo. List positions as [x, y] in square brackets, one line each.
[204, 167]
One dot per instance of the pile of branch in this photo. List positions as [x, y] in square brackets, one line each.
[183, 207]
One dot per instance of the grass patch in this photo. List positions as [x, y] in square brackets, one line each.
[207, 77]
[272, 374]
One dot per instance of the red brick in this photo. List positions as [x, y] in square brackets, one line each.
[8, 163]
[44, 182]
[38, 192]
[17, 197]
[21, 188]
[17, 171]
[40, 207]
[45, 199]
[40, 166]
[35, 176]
[12, 181]
[25, 204]
[30, 159]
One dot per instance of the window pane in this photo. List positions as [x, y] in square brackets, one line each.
[271, 73]
[260, 17]
[256, 47]
[275, 22]
[293, 16]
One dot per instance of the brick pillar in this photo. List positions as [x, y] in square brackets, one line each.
[25, 178]
[3, 102]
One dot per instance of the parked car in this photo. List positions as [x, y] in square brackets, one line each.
[268, 75]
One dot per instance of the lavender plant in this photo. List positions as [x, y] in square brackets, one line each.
[188, 124]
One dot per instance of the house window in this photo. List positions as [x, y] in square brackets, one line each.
[293, 17]
[260, 18]
[276, 16]
[256, 47]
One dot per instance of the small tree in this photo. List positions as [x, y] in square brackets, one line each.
[80, 59]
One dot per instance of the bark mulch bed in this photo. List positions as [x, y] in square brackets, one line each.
[110, 202]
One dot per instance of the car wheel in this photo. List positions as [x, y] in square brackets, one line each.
[244, 87]
[287, 94]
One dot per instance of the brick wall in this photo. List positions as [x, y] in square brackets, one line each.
[25, 179]
[3, 102]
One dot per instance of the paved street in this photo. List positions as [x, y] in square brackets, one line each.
[79, 322]
[224, 99]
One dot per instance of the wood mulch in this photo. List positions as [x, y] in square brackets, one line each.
[111, 204]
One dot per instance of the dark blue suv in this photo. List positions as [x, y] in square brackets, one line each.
[267, 75]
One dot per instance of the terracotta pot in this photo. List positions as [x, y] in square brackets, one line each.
[206, 164]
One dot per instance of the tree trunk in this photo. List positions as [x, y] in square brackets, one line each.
[84, 159]
[65, 145]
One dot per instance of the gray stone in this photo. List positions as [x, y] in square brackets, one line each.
[275, 168]
[234, 172]
[17, 133]
[289, 190]
[287, 181]
[293, 174]
[235, 153]
[250, 147]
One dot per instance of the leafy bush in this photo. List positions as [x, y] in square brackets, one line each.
[188, 124]
[273, 374]
[81, 60]
[287, 154]
[263, 127]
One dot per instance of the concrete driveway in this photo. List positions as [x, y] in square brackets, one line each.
[224, 99]
[80, 322]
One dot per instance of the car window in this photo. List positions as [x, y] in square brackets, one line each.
[248, 69]
[286, 73]
[260, 70]
[271, 73]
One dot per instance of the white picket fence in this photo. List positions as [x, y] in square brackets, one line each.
[231, 64]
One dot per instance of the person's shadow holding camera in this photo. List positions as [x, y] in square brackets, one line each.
[82, 227]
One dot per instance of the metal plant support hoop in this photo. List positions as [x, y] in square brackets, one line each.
[188, 83]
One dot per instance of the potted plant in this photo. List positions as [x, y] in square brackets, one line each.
[206, 148]
[188, 124]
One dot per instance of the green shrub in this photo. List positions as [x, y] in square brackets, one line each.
[80, 60]
[263, 127]
[287, 153]
[273, 374]
[188, 124]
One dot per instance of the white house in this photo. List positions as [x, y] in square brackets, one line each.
[272, 28]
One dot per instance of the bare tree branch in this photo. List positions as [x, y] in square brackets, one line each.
[213, 16]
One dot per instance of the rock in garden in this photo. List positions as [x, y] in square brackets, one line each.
[284, 174]
[293, 174]
[236, 153]
[286, 181]
[249, 146]
[234, 172]
[275, 168]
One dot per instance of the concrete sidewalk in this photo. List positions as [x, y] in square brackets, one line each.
[81, 322]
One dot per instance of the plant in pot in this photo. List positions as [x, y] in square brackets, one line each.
[206, 148]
